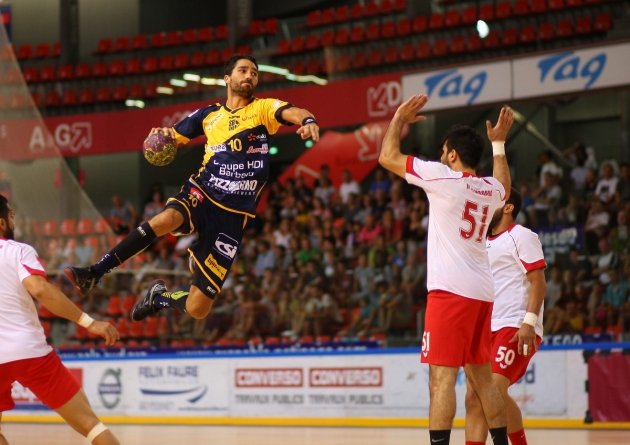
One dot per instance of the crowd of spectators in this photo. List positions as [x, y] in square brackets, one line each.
[349, 262]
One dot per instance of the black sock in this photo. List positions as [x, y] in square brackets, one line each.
[499, 435]
[133, 244]
[440, 437]
[176, 300]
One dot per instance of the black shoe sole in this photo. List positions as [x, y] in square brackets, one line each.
[71, 277]
[150, 302]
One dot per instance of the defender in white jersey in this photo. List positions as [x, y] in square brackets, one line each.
[24, 355]
[518, 264]
[461, 291]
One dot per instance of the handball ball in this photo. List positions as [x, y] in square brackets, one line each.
[159, 149]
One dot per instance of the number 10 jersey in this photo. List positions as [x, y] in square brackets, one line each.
[461, 206]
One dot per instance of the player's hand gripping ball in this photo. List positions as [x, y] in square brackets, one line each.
[159, 149]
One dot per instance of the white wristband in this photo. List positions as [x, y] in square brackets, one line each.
[530, 319]
[498, 148]
[85, 320]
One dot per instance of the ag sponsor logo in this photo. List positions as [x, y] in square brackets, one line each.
[452, 83]
[384, 99]
[110, 388]
[569, 66]
[346, 377]
[73, 137]
[216, 148]
[212, 264]
[226, 246]
[269, 378]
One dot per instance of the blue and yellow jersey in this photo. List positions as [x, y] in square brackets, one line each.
[236, 164]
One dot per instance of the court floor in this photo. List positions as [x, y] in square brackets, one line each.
[60, 434]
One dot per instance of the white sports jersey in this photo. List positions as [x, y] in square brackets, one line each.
[512, 254]
[460, 208]
[21, 334]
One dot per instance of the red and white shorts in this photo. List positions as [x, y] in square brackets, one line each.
[456, 330]
[506, 359]
[45, 376]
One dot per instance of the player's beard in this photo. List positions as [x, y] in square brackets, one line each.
[10, 233]
[244, 90]
[496, 219]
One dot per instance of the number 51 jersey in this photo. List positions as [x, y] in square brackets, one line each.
[461, 206]
[235, 166]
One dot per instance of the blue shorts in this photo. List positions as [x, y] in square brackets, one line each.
[219, 230]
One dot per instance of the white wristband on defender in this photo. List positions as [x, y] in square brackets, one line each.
[498, 148]
[85, 320]
[530, 319]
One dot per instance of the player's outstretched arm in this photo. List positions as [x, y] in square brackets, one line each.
[308, 125]
[391, 158]
[526, 335]
[57, 303]
[497, 136]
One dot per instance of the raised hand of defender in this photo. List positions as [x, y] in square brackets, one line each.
[526, 337]
[309, 131]
[408, 112]
[105, 330]
[500, 131]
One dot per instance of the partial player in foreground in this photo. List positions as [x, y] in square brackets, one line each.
[217, 201]
[461, 290]
[24, 355]
[518, 265]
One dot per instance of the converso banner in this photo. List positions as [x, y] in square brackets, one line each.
[544, 75]
[348, 102]
[392, 385]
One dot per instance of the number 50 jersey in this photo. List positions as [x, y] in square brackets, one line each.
[236, 166]
[460, 208]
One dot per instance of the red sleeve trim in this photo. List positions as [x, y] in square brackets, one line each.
[540, 264]
[32, 271]
[409, 167]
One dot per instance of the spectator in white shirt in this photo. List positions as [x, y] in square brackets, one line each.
[606, 189]
[545, 200]
[348, 186]
[548, 166]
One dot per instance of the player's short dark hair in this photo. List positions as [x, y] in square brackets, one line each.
[231, 63]
[4, 208]
[516, 201]
[468, 144]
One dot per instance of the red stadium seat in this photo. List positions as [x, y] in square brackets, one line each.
[458, 45]
[84, 226]
[86, 96]
[314, 67]
[150, 65]
[181, 61]
[69, 226]
[356, 12]
[117, 68]
[226, 53]
[341, 37]
[400, 5]
[528, 34]
[556, 5]
[474, 42]
[151, 90]
[357, 34]
[404, 27]
[271, 26]
[564, 28]
[539, 6]
[386, 7]
[139, 42]
[104, 46]
[42, 51]
[312, 41]
[391, 55]
[221, 32]
[359, 60]
[213, 57]
[205, 34]
[593, 330]
[80, 333]
[120, 93]
[298, 43]
[103, 94]
[127, 303]
[486, 12]
[136, 328]
[407, 53]
[151, 327]
[56, 49]
[452, 18]
[122, 44]
[584, 25]
[49, 228]
[328, 38]
[299, 68]
[371, 9]
[492, 40]
[603, 22]
[30, 75]
[46, 74]
[343, 63]
[272, 340]
[99, 69]
[373, 31]
[25, 52]
[313, 18]
[545, 31]
[574, 3]
[510, 37]
[469, 16]
[101, 226]
[37, 100]
[436, 21]
[307, 339]
[113, 306]
[197, 59]
[521, 7]
[157, 40]
[134, 66]
[136, 91]
[424, 50]
[189, 37]
[83, 71]
[388, 30]
[173, 38]
[503, 10]
[17, 101]
[341, 14]
[420, 24]
[255, 28]
[328, 16]
[440, 48]
[284, 47]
